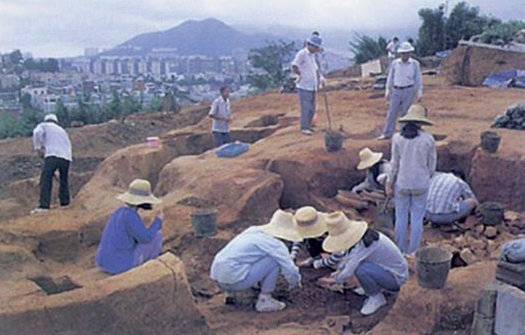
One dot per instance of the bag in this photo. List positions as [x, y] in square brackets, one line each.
[514, 251]
[231, 150]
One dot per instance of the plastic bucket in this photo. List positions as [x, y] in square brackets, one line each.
[492, 213]
[490, 141]
[153, 142]
[204, 222]
[333, 141]
[432, 267]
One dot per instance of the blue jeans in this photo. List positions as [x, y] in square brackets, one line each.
[307, 103]
[400, 102]
[147, 251]
[265, 271]
[374, 278]
[412, 206]
[449, 218]
[221, 138]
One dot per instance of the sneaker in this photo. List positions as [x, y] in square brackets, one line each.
[307, 263]
[266, 304]
[307, 132]
[373, 303]
[39, 210]
[383, 138]
[359, 291]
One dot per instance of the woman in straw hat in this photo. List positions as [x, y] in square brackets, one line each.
[126, 242]
[366, 253]
[310, 224]
[376, 171]
[413, 164]
[257, 256]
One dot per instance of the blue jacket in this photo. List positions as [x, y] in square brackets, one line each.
[122, 233]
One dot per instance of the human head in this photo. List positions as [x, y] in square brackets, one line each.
[395, 39]
[368, 158]
[51, 118]
[405, 50]
[225, 92]
[282, 226]
[139, 195]
[309, 223]
[314, 44]
[343, 233]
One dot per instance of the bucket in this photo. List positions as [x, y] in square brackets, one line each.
[492, 213]
[432, 267]
[490, 141]
[204, 222]
[333, 141]
[153, 142]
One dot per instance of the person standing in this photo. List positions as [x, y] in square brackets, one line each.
[52, 142]
[413, 163]
[403, 84]
[220, 112]
[309, 80]
[450, 199]
[391, 50]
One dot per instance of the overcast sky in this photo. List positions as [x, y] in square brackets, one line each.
[65, 27]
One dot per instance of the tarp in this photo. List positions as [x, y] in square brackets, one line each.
[506, 79]
[231, 150]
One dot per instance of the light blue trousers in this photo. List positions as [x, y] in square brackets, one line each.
[400, 102]
[144, 252]
[450, 218]
[265, 271]
[413, 207]
[307, 103]
[373, 278]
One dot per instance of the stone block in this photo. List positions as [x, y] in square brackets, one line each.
[468, 256]
[510, 311]
[486, 305]
[510, 273]
[482, 325]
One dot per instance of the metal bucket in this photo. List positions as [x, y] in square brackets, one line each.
[333, 141]
[490, 141]
[492, 213]
[432, 267]
[204, 222]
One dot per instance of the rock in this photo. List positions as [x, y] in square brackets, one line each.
[478, 230]
[511, 216]
[510, 311]
[468, 256]
[471, 222]
[490, 232]
[482, 325]
[338, 323]
[450, 248]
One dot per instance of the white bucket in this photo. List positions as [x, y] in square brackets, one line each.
[153, 142]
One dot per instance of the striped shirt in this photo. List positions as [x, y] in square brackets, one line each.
[445, 193]
[332, 261]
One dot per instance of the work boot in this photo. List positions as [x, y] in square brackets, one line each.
[266, 304]
[373, 303]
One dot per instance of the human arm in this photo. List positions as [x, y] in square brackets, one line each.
[390, 81]
[432, 157]
[214, 112]
[330, 262]
[38, 138]
[418, 81]
[296, 247]
[279, 252]
[351, 262]
[394, 168]
[135, 227]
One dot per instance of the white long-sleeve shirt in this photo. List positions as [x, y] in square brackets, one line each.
[53, 139]
[307, 64]
[404, 74]
[232, 264]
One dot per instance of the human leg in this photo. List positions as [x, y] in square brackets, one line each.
[407, 99]
[402, 209]
[46, 182]
[465, 208]
[373, 278]
[305, 100]
[220, 138]
[63, 192]
[392, 114]
[265, 271]
[418, 205]
[147, 251]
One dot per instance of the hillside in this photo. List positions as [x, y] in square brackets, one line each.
[208, 37]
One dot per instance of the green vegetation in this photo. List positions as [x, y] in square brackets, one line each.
[273, 61]
[501, 33]
[365, 48]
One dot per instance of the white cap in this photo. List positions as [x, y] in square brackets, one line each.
[51, 117]
[405, 47]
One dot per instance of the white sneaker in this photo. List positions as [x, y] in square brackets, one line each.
[307, 132]
[359, 291]
[373, 303]
[39, 210]
[307, 263]
[266, 304]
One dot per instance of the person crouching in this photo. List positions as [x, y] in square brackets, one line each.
[310, 224]
[126, 242]
[372, 257]
[257, 256]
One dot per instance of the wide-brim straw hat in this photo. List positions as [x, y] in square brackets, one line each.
[282, 226]
[310, 223]
[416, 113]
[343, 233]
[368, 158]
[405, 47]
[139, 192]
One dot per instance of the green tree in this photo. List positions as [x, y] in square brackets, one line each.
[130, 106]
[463, 23]
[9, 125]
[155, 105]
[501, 33]
[50, 65]
[29, 119]
[432, 31]
[16, 57]
[62, 113]
[366, 48]
[114, 108]
[272, 61]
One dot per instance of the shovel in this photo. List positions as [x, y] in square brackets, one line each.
[383, 219]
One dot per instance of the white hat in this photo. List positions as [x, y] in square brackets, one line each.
[368, 158]
[51, 117]
[282, 226]
[405, 47]
[342, 232]
[309, 223]
[139, 192]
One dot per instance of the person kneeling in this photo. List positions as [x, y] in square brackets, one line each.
[126, 242]
[258, 256]
[366, 253]
[310, 224]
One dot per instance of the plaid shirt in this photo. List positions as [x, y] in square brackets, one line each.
[445, 193]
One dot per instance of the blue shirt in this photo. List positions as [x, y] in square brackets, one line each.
[122, 233]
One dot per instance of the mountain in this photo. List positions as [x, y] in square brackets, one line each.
[208, 37]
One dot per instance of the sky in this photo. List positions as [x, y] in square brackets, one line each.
[61, 28]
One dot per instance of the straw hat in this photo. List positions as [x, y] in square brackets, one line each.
[282, 226]
[405, 47]
[310, 223]
[51, 117]
[416, 113]
[342, 232]
[139, 192]
[368, 158]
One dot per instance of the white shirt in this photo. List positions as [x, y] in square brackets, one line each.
[53, 139]
[233, 263]
[392, 49]
[403, 74]
[220, 108]
[307, 64]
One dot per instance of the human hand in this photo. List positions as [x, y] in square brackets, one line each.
[160, 215]
[292, 287]
[387, 95]
[389, 190]
[318, 264]
[40, 153]
[326, 281]
[322, 82]
[420, 99]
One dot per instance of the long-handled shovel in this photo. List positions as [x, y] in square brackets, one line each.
[327, 107]
[383, 219]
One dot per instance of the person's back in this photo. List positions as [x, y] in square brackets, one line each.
[55, 140]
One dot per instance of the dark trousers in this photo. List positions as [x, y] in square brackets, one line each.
[51, 164]
[221, 138]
